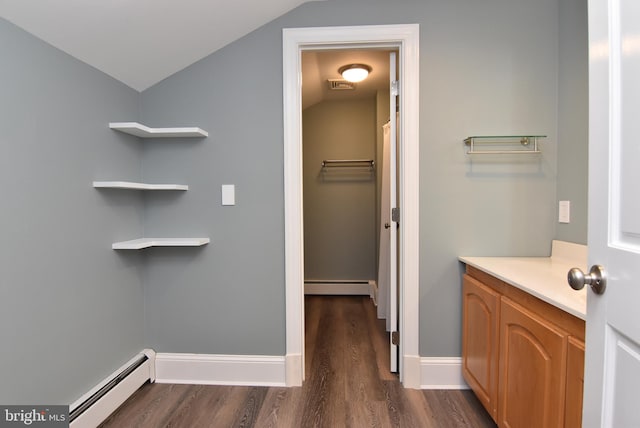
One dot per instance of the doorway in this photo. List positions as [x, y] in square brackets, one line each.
[342, 142]
[346, 181]
[404, 38]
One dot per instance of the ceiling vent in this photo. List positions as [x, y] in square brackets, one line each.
[341, 85]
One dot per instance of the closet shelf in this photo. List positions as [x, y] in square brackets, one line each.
[139, 130]
[137, 186]
[139, 244]
[529, 142]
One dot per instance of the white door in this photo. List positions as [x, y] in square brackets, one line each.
[612, 373]
[385, 226]
[392, 321]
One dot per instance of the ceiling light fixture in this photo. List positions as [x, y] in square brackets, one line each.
[354, 72]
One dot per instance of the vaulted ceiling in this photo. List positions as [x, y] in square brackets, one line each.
[319, 66]
[141, 42]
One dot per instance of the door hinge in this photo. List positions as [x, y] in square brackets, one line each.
[395, 214]
[395, 88]
[395, 338]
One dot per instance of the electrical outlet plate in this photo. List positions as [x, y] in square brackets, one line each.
[228, 194]
[564, 211]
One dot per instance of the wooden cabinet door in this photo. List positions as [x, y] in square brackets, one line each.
[575, 383]
[480, 341]
[533, 358]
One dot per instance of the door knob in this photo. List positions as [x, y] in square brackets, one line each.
[387, 225]
[596, 278]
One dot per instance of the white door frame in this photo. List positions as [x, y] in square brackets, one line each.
[406, 39]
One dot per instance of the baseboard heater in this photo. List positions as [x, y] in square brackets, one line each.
[93, 408]
[351, 287]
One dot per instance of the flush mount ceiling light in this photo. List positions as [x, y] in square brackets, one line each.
[354, 72]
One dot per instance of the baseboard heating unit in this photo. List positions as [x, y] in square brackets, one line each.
[95, 406]
[348, 287]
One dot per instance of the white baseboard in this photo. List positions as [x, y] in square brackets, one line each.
[374, 291]
[340, 288]
[101, 409]
[441, 373]
[294, 370]
[411, 371]
[206, 369]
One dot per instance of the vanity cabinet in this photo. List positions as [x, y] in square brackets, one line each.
[523, 358]
[533, 355]
[480, 342]
[575, 383]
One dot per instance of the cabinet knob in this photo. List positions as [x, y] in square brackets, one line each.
[596, 278]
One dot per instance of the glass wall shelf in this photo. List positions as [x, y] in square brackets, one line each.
[503, 144]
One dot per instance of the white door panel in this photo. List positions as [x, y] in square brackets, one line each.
[621, 403]
[625, 125]
[385, 222]
[612, 371]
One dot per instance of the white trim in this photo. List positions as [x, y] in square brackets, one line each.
[151, 354]
[406, 39]
[102, 408]
[293, 362]
[293, 226]
[207, 369]
[441, 373]
[412, 370]
[373, 289]
[340, 288]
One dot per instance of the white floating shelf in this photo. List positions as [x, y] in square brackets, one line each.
[139, 130]
[139, 244]
[137, 186]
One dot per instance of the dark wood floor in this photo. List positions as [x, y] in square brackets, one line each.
[348, 385]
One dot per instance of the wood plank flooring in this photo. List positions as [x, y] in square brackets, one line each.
[348, 385]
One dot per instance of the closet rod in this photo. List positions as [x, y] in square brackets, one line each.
[347, 162]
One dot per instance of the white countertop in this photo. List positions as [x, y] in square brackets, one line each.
[542, 277]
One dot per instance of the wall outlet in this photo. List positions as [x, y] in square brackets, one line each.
[564, 211]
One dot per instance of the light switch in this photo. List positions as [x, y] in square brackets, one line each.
[228, 194]
[564, 211]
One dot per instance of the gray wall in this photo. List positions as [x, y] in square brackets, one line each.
[573, 118]
[339, 202]
[491, 76]
[227, 297]
[70, 307]
[482, 72]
